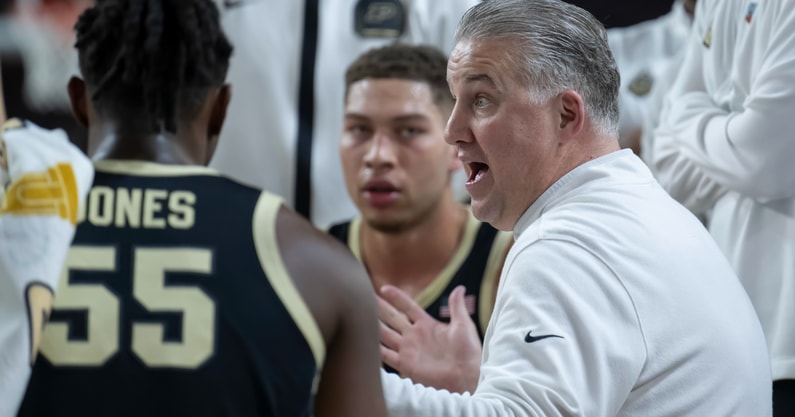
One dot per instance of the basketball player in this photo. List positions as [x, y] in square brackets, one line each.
[186, 293]
[411, 232]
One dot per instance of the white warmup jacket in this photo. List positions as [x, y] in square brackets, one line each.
[726, 144]
[44, 180]
[260, 141]
[645, 53]
[613, 301]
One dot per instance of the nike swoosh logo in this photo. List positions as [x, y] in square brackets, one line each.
[530, 339]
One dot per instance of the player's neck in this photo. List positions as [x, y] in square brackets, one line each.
[108, 141]
[413, 258]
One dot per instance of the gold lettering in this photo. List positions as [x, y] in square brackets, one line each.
[139, 208]
[128, 207]
[152, 207]
[180, 203]
[100, 206]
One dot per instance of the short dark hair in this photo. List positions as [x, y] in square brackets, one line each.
[157, 56]
[409, 62]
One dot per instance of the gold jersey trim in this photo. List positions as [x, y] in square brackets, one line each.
[264, 230]
[434, 290]
[39, 298]
[150, 169]
[488, 287]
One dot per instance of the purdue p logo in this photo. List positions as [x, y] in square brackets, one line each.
[49, 193]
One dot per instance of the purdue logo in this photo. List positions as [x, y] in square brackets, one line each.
[379, 18]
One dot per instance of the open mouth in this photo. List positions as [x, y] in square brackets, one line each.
[476, 171]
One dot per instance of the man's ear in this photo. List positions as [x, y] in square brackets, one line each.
[571, 108]
[217, 117]
[218, 114]
[78, 96]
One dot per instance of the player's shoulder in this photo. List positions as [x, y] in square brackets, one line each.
[324, 271]
[297, 235]
[312, 256]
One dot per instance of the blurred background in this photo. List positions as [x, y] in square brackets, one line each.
[37, 55]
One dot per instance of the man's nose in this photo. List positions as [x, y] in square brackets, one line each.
[381, 152]
[457, 129]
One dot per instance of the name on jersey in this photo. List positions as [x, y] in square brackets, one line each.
[146, 208]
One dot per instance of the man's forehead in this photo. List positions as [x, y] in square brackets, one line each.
[473, 62]
[461, 52]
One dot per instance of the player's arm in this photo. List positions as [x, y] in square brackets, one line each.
[338, 293]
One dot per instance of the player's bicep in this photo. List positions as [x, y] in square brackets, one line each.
[350, 384]
[338, 293]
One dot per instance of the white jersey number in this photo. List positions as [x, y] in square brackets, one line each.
[103, 314]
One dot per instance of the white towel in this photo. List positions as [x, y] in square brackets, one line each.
[45, 178]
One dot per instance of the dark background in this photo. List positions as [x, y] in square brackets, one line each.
[618, 13]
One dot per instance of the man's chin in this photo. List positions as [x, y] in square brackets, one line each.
[387, 226]
[480, 210]
[489, 213]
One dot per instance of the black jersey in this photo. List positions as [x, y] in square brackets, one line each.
[174, 302]
[475, 265]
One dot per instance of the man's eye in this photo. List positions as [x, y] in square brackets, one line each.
[409, 132]
[481, 101]
[358, 130]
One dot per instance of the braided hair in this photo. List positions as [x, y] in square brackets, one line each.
[157, 56]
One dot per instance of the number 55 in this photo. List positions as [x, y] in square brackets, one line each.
[103, 313]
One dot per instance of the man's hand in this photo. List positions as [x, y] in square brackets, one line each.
[432, 353]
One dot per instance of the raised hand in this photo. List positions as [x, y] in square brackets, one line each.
[430, 352]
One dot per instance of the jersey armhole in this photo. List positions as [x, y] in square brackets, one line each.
[264, 231]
